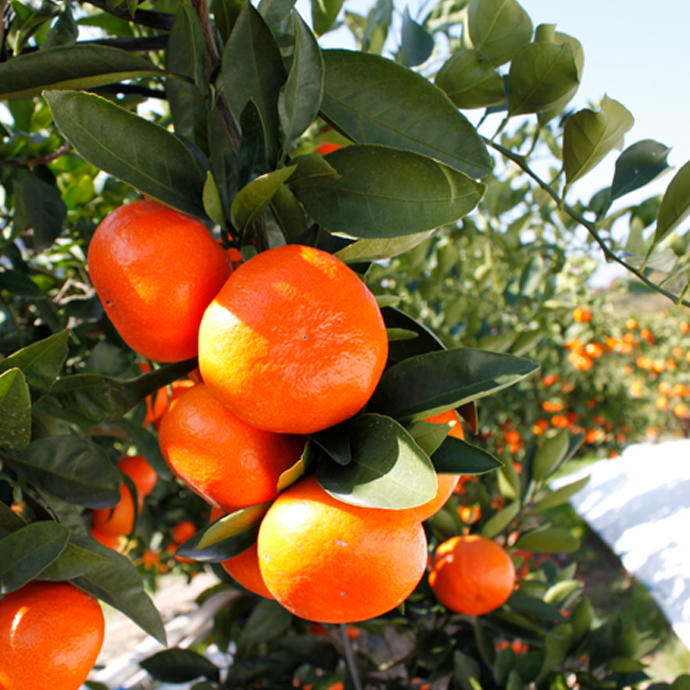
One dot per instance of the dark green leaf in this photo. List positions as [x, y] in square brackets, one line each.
[253, 199]
[24, 553]
[135, 150]
[275, 12]
[376, 27]
[527, 341]
[383, 192]
[460, 457]
[498, 28]
[581, 618]
[74, 561]
[373, 100]
[324, 14]
[179, 666]
[70, 67]
[561, 495]
[540, 75]
[557, 643]
[15, 410]
[550, 455]
[63, 32]
[588, 136]
[213, 204]
[426, 384]
[335, 442]
[268, 621]
[69, 467]
[118, 583]
[428, 436]
[40, 208]
[9, 521]
[548, 540]
[675, 205]
[466, 671]
[147, 444]
[20, 285]
[500, 520]
[253, 71]
[387, 469]
[220, 550]
[638, 165]
[288, 214]
[300, 98]
[223, 160]
[41, 361]
[470, 80]
[426, 340]
[416, 43]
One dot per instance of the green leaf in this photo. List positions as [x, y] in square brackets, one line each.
[426, 340]
[456, 456]
[253, 71]
[74, 561]
[275, 12]
[416, 43]
[288, 214]
[213, 204]
[470, 80]
[24, 553]
[9, 521]
[556, 645]
[500, 520]
[335, 442]
[268, 621]
[539, 76]
[324, 14]
[548, 539]
[561, 495]
[126, 146]
[20, 285]
[498, 28]
[383, 192]
[638, 165]
[70, 467]
[70, 67]
[581, 618]
[88, 399]
[147, 445]
[550, 455]
[375, 250]
[588, 136]
[426, 384]
[387, 470]
[40, 208]
[675, 205]
[15, 410]
[253, 199]
[63, 32]
[300, 98]
[373, 100]
[179, 666]
[41, 361]
[428, 436]
[118, 584]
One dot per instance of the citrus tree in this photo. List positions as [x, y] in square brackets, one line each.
[260, 368]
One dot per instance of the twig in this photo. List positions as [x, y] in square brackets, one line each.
[350, 657]
[60, 151]
[154, 20]
[521, 162]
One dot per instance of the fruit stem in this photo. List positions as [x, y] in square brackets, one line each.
[350, 657]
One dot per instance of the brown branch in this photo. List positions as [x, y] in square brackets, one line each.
[30, 165]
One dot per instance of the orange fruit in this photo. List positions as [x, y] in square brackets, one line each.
[471, 575]
[142, 474]
[327, 147]
[183, 531]
[582, 315]
[446, 488]
[332, 562]
[294, 342]
[117, 521]
[447, 417]
[245, 569]
[228, 463]
[111, 542]
[155, 271]
[52, 633]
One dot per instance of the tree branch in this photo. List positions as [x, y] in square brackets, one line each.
[154, 20]
[54, 155]
[521, 162]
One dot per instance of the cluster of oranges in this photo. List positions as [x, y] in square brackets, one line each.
[289, 343]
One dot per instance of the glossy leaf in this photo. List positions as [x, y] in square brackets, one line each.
[387, 469]
[456, 456]
[588, 136]
[288, 214]
[26, 552]
[470, 80]
[675, 204]
[253, 71]
[300, 98]
[373, 100]
[70, 67]
[15, 410]
[268, 621]
[41, 361]
[324, 14]
[9, 521]
[416, 43]
[375, 250]
[539, 76]
[498, 28]
[561, 495]
[426, 384]
[500, 520]
[70, 467]
[135, 150]
[220, 550]
[550, 455]
[638, 165]
[179, 666]
[428, 436]
[383, 192]
[426, 340]
[230, 525]
[41, 208]
[118, 584]
[73, 561]
[548, 540]
[335, 442]
[147, 445]
[253, 199]
[213, 205]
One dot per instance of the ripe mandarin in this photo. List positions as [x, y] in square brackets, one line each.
[331, 562]
[117, 521]
[155, 271]
[471, 575]
[142, 474]
[52, 633]
[224, 460]
[294, 342]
